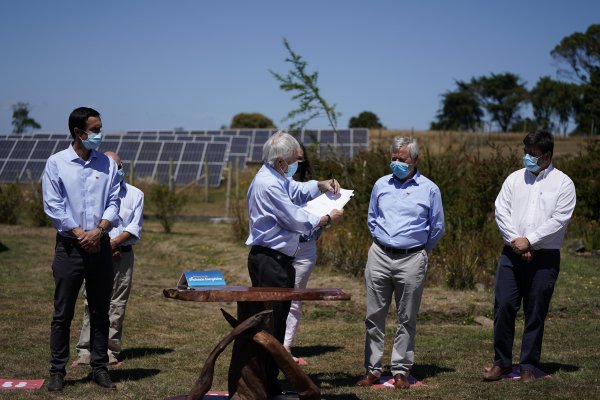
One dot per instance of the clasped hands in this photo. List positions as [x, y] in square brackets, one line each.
[522, 246]
[88, 240]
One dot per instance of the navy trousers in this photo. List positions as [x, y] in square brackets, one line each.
[70, 267]
[532, 284]
[270, 268]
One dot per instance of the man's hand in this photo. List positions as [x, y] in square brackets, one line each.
[336, 216]
[90, 240]
[330, 185]
[527, 256]
[521, 245]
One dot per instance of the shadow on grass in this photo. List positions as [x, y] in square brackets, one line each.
[122, 374]
[138, 352]
[422, 371]
[309, 351]
[551, 368]
[3, 247]
[337, 379]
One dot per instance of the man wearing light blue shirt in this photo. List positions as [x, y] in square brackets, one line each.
[122, 239]
[406, 220]
[81, 196]
[276, 221]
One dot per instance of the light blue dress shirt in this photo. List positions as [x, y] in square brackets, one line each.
[406, 215]
[275, 218]
[131, 213]
[80, 193]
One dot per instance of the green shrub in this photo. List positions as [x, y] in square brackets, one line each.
[10, 202]
[166, 204]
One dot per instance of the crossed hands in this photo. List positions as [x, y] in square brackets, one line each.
[88, 240]
[522, 246]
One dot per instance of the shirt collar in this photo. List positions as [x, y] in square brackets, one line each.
[273, 171]
[415, 178]
[543, 174]
[73, 155]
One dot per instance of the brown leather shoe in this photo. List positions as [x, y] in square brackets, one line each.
[401, 382]
[368, 380]
[496, 373]
[527, 376]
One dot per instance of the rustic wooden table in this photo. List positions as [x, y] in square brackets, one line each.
[252, 338]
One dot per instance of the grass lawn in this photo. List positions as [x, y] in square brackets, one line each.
[166, 341]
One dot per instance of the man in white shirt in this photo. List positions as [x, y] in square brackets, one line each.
[533, 210]
[122, 239]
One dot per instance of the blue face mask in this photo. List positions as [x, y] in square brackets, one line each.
[399, 169]
[121, 175]
[93, 141]
[530, 163]
[292, 168]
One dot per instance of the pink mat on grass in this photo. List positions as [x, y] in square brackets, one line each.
[516, 372]
[387, 382]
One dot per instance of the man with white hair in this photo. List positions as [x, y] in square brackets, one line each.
[276, 221]
[406, 220]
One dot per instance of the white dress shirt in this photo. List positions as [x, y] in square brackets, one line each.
[538, 208]
[131, 213]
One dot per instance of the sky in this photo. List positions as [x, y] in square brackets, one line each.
[194, 64]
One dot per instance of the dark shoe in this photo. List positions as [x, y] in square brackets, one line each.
[527, 376]
[401, 381]
[368, 380]
[57, 382]
[103, 379]
[496, 373]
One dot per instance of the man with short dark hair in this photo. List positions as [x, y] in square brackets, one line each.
[123, 237]
[81, 196]
[533, 210]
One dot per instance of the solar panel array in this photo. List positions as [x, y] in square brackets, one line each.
[193, 154]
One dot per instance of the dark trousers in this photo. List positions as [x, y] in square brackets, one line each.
[533, 284]
[270, 268]
[71, 266]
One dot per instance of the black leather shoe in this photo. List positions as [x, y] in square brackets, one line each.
[57, 382]
[103, 379]
[527, 376]
[368, 380]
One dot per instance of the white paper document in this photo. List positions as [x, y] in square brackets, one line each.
[328, 201]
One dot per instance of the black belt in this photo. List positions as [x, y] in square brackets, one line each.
[276, 254]
[125, 249]
[394, 250]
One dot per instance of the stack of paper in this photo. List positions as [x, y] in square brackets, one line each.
[328, 201]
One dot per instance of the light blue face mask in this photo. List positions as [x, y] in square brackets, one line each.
[121, 175]
[400, 169]
[93, 141]
[531, 163]
[292, 168]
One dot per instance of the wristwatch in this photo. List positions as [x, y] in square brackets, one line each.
[328, 224]
[102, 230]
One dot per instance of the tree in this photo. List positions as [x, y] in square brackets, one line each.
[581, 52]
[365, 119]
[502, 96]
[21, 119]
[312, 104]
[251, 121]
[460, 110]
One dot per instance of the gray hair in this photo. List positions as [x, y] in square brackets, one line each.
[280, 145]
[411, 142]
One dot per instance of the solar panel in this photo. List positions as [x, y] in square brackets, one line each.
[171, 151]
[43, 149]
[6, 147]
[189, 150]
[11, 171]
[33, 170]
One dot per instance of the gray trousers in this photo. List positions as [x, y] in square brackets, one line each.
[403, 276]
[122, 276]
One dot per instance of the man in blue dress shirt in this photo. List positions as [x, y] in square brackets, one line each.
[406, 220]
[276, 222]
[81, 196]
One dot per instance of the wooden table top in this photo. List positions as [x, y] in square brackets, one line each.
[243, 293]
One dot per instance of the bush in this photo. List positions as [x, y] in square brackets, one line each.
[34, 205]
[10, 202]
[166, 204]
